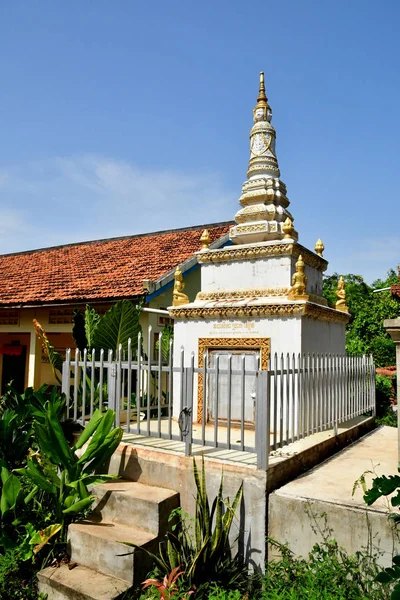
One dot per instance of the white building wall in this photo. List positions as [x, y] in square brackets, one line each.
[284, 335]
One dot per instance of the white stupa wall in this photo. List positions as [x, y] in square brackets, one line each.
[323, 337]
[271, 272]
[287, 335]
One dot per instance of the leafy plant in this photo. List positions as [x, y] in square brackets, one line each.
[17, 414]
[386, 486]
[166, 336]
[385, 394]
[168, 588]
[207, 555]
[327, 573]
[365, 333]
[108, 332]
[60, 473]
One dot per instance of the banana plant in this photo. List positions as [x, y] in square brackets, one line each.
[60, 473]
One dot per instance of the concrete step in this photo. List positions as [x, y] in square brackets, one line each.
[79, 583]
[97, 546]
[135, 504]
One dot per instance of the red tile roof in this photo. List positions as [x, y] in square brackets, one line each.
[99, 270]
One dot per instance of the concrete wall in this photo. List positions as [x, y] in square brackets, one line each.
[171, 471]
[323, 336]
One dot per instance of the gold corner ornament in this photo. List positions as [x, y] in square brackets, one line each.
[319, 247]
[178, 297]
[288, 229]
[341, 294]
[299, 282]
[205, 240]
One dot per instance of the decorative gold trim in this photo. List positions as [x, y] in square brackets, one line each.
[205, 240]
[237, 312]
[322, 313]
[307, 309]
[205, 344]
[287, 229]
[239, 294]
[234, 253]
[319, 247]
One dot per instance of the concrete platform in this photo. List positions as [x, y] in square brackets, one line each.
[321, 503]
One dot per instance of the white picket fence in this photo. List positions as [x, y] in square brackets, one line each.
[228, 403]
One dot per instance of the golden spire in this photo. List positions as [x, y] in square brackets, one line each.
[262, 101]
[261, 91]
[319, 247]
[205, 240]
[341, 294]
[178, 298]
[298, 291]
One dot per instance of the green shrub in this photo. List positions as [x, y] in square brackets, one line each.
[384, 394]
[17, 577]
[329, 573]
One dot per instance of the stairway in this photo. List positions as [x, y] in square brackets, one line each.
[124, 511]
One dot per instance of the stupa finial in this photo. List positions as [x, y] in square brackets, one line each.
[261, 91]
[264, 202]
[262, 111]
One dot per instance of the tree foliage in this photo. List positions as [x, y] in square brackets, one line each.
[365, 332]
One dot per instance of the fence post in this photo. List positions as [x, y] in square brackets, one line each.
[111, 385]
[372, 390]
[65, 378]
[263, 419]
[188, 409]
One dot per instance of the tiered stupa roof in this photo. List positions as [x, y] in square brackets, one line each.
[264, 215]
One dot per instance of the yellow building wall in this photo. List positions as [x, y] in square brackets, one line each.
[17, 325]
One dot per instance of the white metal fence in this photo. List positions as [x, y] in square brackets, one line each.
[228, 403]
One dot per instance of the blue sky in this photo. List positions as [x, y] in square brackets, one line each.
[123, 117]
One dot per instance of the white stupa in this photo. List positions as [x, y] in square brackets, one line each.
[263, 293]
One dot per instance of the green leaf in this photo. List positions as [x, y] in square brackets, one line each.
[383, 577]
[103, 427]
[31, 494]
[118, 324]
[41, 538]
[396, 560]
[4, 506]
[52, 441]
[382, 486]
[11, 490]
[35, 475]
[395, 595]
[110, 444]
[79, 506]
[90, 480]
[89, 429]
[92, 319]
[5, 474]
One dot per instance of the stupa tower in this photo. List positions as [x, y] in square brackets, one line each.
[263, 293]
[263, 200]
